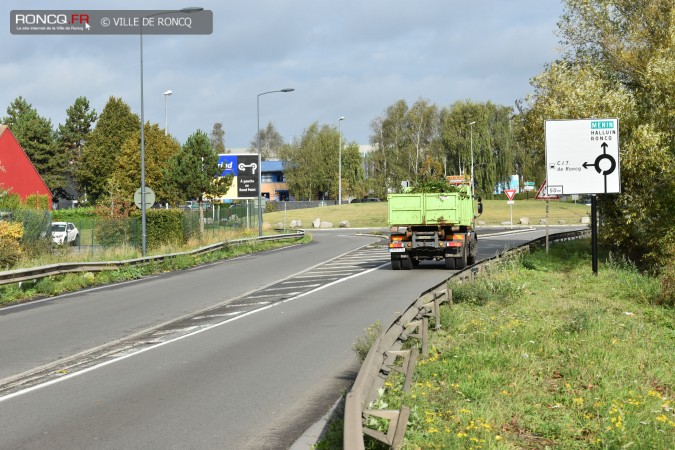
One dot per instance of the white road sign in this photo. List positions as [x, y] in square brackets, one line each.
[582, 156]
[149, 197]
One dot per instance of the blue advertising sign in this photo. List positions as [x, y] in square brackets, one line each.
[245, 170]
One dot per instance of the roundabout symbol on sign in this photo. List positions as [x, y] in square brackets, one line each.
[596, 164]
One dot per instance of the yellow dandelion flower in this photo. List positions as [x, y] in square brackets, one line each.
[662, 418]
[578, 401]
[498, 438]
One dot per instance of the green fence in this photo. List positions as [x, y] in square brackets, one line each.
[35, 223]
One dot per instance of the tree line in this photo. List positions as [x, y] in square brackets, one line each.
[95, 158]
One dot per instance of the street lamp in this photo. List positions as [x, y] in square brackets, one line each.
[260, 158]
[143, 208]
[471, 128]
[166, 115]
[340, 162]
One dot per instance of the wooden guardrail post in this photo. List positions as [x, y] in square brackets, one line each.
[407, 367]
[398, 422]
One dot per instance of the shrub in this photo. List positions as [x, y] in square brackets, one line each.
[10, 252]
[37, 201]
[82, 217]
[363, 344]
[164, 226]
[11, 230]
[10, 200]
[271, 206]
[10, 237]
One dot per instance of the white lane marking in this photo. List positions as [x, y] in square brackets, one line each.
[283, 288]
[246, 305]
[271, 295]
[161, 344]
[210, 316]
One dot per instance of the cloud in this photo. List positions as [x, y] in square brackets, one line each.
[352, 59]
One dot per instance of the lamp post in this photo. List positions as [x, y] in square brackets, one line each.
[143, 208]
[340, 161]
[471, 128]
[166, 114]
[260, 158]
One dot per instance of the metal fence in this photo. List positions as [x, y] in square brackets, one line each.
[290, 205]
[97, 232]
[35, 223]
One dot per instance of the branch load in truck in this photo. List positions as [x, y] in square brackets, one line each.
[433, 226]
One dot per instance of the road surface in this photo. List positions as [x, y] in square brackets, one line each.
[241, 354]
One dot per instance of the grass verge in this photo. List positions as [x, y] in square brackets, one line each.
[60, 284]
[368, 215]
[540, 353]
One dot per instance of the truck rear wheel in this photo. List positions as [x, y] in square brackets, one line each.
[406, 264]
[471, 259]
[461, 261]
[449, 263]
[395, 264]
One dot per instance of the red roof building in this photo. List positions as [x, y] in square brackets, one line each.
[17, 173]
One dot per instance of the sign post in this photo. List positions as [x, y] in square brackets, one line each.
[510, 193]
[582, 157]
[542, 194]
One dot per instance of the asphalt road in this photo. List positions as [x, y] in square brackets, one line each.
[244, 353]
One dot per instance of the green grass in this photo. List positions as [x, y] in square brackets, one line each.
[368, 215]
[543, 354]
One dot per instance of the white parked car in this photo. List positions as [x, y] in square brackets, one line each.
[65, 232]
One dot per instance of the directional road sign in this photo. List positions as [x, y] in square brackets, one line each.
[582, 156]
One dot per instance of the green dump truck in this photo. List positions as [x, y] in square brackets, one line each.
[432, 226]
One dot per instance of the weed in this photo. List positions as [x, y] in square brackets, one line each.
[545, 354]
[363, 343]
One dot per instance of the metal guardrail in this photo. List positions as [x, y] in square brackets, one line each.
[34, 273]
[386, 352]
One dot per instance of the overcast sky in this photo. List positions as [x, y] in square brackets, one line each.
[350, 58]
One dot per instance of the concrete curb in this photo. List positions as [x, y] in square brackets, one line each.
[312, 434]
